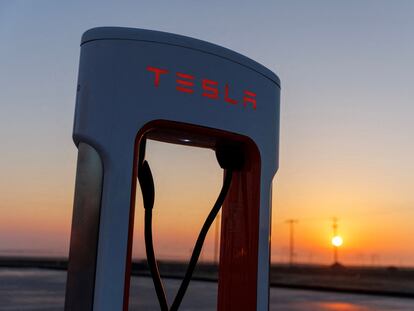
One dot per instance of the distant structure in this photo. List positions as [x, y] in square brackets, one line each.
[217, 239]
[291, 223]
[336, 242]
[335, 232]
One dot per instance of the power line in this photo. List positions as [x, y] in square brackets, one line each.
[369, 213]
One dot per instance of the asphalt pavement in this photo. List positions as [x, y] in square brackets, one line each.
[33, 289]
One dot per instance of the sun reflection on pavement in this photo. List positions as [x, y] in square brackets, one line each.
[341, 306]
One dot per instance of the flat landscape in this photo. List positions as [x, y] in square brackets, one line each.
[380, 281]
[43, 290]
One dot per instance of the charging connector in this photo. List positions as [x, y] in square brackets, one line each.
[230, 156]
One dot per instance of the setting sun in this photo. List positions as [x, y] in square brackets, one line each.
[337, 241]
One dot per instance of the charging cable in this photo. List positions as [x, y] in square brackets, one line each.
[230, 158]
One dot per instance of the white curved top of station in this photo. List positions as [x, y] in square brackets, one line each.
[122, 33]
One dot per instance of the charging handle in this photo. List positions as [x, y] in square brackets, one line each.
[230, 156]
[147, 185]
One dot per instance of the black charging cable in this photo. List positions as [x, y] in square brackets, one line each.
[230, 158]
[148, 193]
[200, 240]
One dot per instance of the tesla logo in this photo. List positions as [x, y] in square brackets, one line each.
[211, 89]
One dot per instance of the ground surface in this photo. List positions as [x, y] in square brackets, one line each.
[31, 289]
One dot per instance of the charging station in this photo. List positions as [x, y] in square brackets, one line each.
[135, 85]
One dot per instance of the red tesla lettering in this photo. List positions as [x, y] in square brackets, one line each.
[209, 91]
[249, 97]
[185, 84]
[158, 72]
[226, 96]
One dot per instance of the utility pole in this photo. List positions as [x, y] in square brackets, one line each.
[217, 238]
[335, 233]
[291, 223]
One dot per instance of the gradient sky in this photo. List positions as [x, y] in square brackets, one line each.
[347, 122]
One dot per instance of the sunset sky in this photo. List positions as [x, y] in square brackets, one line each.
[347, 123]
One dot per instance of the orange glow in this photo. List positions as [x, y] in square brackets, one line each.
[340, 306]
[187, 188]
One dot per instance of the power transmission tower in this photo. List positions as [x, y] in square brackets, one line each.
[291, 223]
[335, 233]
